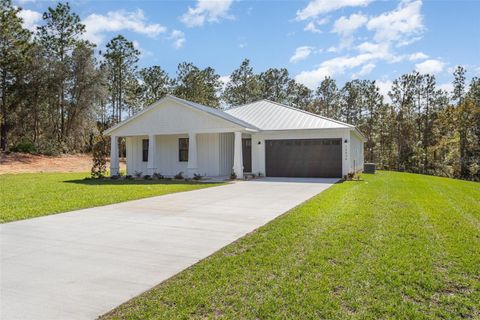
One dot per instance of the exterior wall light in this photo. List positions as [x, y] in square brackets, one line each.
[346, 141]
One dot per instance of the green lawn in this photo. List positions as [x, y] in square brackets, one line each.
[31, 195]
[396, 245]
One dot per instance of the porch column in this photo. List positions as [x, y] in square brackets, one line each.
[192, 165]
[237, 155]
[114, 166]
[152, 152]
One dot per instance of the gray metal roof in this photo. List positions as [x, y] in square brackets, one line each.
[269, 115]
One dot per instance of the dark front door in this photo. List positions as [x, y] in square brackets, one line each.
[316, 158]
[247, 155]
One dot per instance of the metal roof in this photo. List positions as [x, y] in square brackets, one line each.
[269, 115]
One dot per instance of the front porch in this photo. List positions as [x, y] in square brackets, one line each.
[209, 154]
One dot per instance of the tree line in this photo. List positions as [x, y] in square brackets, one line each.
[57, 94]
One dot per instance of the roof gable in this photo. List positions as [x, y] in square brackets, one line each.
[165, 117]
[269, 115]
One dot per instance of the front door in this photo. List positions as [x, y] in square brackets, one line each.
[247, 155]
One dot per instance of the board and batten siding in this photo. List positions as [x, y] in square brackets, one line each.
[226, 141]
[213, 156]
[356, 152]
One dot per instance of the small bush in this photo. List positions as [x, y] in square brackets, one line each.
[158, 175]
[137, 174]
[25, 146]
[115, 177]
[147, 177]
[233, 176]
[99, 157]
[128, 177]
[350, 176]
[179, 176]
[197, 176]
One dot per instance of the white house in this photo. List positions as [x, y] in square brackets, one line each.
[266, 137]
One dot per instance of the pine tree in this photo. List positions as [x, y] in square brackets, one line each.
[59, 36]
[121, 59]
[243, 86]
[14, 47]
[155, 84]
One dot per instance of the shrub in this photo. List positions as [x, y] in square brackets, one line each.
[49, 147]
[25, 146]
[115, 177]
[197, 176]
[129, 177]
[137, 174]
[179, 176]
[233, 176]
[147, 177]
[158, 175]
[100, 154]
[350, 175]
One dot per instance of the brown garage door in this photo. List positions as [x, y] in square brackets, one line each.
[319, 158]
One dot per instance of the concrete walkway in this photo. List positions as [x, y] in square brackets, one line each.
[81, 264]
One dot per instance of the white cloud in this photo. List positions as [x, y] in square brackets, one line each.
[97, 25]
[417, 56]
[431, 66]
[346, 26]
[384, 87]
[178, 38]
[207, 11]
[30, 19]
[399, 25]
[318, 7]
[312, 26]
[333, 67]
[448, 86]
[366, 69]
[224, 80]
[301, 53]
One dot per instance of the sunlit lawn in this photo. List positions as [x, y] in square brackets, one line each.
[394, 246]
[31, 195]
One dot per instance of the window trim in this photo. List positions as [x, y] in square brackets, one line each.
[182, 150]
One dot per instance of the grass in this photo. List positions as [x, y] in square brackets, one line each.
[30, 195]
[396, 246]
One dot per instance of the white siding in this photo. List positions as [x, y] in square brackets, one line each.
[208, 154]
[226, 153]
[171, 117]
[258, 150]
[356, 151]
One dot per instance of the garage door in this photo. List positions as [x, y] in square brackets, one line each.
[319, 158]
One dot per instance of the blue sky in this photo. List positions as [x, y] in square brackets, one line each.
[345, 39]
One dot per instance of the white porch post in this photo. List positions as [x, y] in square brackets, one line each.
[237, 155]
[114, 165]
[152, 152]
[192, 165]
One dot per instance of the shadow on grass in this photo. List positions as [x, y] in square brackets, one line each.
[121, 182]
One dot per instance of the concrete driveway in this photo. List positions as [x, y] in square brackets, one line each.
[81, 264]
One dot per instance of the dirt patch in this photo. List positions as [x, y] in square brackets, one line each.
[23, 163]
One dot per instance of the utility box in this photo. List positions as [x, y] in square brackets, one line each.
[369, 168]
